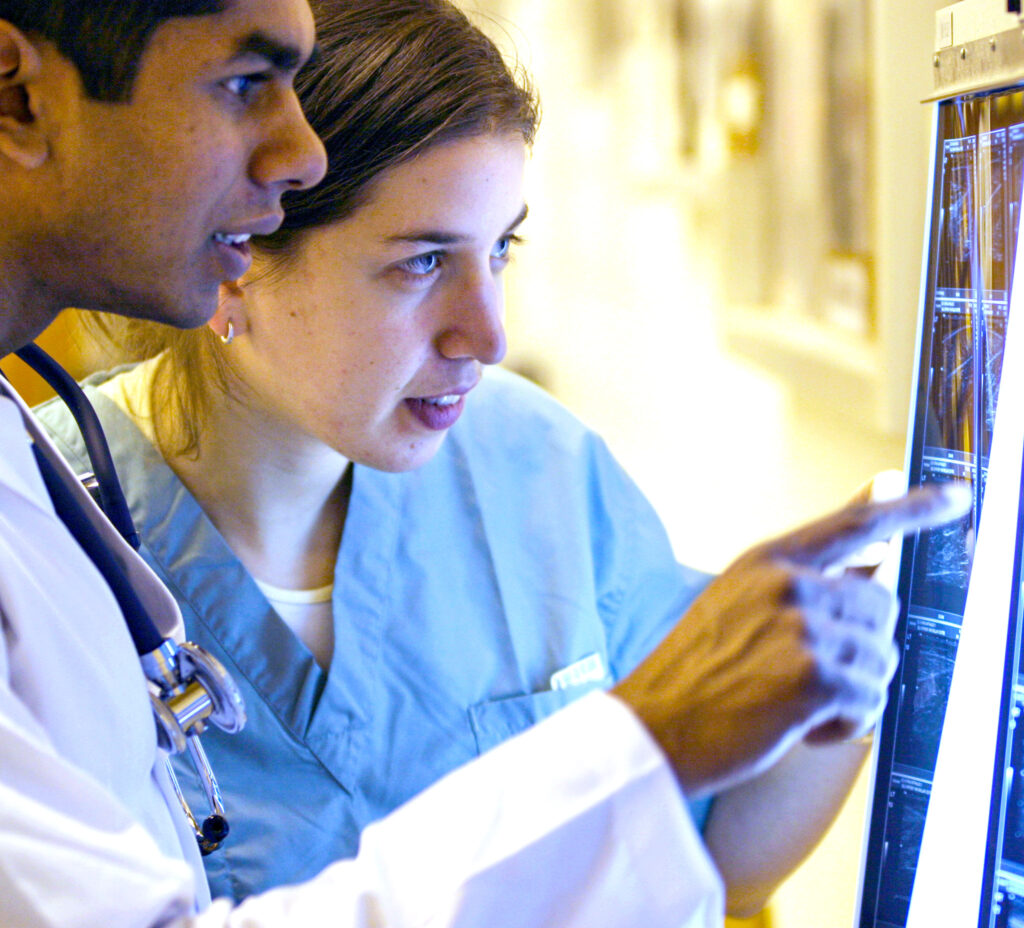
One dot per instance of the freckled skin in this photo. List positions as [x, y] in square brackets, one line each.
[334, 349]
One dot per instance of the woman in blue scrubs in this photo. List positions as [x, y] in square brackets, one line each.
[402, 553]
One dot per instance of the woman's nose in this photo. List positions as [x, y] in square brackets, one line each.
[475, 327]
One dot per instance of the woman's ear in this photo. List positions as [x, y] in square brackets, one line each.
[231, 318]
[22, 140]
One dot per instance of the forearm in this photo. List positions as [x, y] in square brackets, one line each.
[760, 831]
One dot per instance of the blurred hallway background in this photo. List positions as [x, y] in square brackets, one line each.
[723, 257]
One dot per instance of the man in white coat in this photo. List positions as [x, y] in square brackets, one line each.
[141, 143]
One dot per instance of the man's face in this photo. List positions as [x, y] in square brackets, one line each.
[150, 202]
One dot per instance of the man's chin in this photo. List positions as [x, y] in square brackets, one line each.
[186, 313]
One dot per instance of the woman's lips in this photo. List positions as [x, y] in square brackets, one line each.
[437, 412]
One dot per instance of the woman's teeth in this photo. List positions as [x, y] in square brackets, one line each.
[443, 400]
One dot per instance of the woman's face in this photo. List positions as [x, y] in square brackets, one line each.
[373, 342]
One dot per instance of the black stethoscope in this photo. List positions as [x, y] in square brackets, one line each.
[189, 687]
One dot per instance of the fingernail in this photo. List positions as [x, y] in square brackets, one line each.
[889, 484]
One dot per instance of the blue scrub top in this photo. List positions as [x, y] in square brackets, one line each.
[462, 589]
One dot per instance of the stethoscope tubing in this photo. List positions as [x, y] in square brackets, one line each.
[112, 500]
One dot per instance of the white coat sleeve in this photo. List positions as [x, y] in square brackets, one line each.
[577, 822]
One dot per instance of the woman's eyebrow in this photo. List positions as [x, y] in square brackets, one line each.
[438, 237]
[520, 219]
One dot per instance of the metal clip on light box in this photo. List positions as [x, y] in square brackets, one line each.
[189, 686]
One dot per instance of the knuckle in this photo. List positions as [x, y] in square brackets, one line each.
[810, 671]
[774, 582]
[798, 587]
[799, 627]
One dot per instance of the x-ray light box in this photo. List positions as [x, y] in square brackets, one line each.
[945, 838]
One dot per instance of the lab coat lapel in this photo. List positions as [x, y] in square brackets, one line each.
[160, 604]
[18, 471]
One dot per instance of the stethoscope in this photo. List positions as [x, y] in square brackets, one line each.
[189, 687]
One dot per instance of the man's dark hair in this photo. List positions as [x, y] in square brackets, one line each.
[103, 38]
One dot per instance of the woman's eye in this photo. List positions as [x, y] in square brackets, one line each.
[423, 264]
[503, 247]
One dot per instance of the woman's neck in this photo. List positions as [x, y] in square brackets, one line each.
[280, 502]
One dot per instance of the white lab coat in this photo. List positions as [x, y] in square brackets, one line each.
[577, 822]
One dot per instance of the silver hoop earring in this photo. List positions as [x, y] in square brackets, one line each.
[230, 337]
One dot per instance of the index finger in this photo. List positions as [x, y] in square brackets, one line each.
[835, 537]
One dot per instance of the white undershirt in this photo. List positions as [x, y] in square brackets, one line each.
[308, 613]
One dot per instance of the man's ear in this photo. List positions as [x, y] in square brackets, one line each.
[21, 138]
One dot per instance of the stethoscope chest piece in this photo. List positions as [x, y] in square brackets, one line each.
[191, 688]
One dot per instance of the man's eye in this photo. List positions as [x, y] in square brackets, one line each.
[242, 85]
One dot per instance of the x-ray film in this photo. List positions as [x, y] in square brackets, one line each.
[973, 231]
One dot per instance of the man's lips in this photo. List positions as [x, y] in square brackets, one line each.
[233, 252]
[264, 224]
[232, 244]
